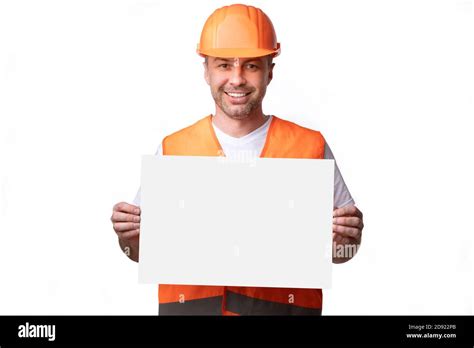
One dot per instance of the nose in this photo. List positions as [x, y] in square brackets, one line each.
[237, 78]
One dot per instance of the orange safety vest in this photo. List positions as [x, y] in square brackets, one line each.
[284, 140]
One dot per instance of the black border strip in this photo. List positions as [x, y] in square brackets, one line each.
[289, 330]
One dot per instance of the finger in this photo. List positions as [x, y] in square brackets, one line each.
[129, 234]
[124, 217]
[350, 221]
[339, 239]
[346, 240]
[348, 210]
[127, 208]
[345, 231]
[336, 238]
[125, 226]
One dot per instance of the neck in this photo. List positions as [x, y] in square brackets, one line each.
[238, 128]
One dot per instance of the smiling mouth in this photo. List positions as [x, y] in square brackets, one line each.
[237, 95]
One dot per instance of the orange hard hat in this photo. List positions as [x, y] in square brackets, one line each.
[238, 31]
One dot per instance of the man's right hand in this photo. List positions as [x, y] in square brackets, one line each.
[126, 222]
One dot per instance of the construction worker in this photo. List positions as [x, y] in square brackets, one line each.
[239, 43]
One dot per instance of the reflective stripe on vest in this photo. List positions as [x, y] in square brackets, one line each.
[284, 140]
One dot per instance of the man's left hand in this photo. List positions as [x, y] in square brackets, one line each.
[347, 229]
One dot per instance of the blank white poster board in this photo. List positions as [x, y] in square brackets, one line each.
[213, 221]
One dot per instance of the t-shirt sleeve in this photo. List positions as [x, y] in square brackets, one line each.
[342, 196]
[137, 199]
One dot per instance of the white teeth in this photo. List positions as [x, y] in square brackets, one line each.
[237, 95]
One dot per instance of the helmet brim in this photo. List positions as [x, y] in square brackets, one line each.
[238, 52]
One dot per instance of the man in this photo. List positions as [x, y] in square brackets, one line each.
[239, 43]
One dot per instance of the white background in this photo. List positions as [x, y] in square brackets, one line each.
[87, 87]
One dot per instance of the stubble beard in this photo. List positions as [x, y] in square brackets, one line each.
[237, 112]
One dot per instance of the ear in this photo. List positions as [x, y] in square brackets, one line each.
[206, 72]
[270, 73]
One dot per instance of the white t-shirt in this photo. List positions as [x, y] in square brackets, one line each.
[251, 145]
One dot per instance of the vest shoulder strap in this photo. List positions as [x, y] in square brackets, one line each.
[286, 139]
[198, 139]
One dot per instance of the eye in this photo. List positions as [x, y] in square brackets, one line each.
[252, 67]
[223, 66]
